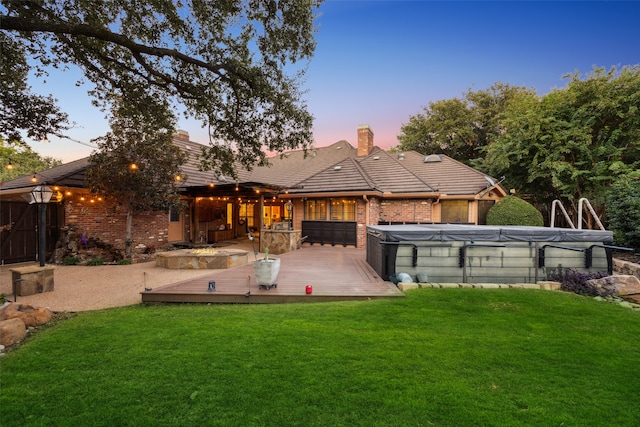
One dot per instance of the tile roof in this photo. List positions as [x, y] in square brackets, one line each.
[335, 168]
[391, 175]
[67, 175]
[447, 176]
[344, 176]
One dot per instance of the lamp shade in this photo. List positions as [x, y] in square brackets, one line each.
[41, 194]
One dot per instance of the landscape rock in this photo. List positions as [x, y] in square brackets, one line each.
[625, 267]
[29, 315]
[621, 284]
[12, 331]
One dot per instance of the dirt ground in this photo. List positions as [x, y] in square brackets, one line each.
[83, 288]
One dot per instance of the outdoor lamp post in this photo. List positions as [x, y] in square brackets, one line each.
[41, 195]
[289, 207]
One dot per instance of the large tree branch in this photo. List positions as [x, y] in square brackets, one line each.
[13, 23]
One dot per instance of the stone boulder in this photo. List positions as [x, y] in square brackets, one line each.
[626, 267]
[621, 284]
[29, 315]
[12, 331]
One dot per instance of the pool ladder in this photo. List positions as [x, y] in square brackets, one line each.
[581, 204]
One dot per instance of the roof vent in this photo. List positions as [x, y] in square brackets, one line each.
[401, 156]
[337, 168]
[339, 147]
[376, 157]
[432, 158]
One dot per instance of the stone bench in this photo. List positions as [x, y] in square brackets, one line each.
[32, 280]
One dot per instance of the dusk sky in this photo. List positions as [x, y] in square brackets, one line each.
[380, 62]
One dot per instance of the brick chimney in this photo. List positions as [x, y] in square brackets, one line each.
[182, 135]
[365, 140]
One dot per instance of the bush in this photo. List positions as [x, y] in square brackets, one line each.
[512, 210]
[95, 261]
[623, 210]
[71, 260]
[578, 282]
[124, 261]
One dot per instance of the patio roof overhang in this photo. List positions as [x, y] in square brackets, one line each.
[240, 189]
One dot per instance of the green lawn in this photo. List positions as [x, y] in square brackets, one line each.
[443, 357]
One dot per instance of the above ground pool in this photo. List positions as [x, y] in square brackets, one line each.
[458, 253]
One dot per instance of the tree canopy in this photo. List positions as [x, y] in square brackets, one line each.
[136, 162]
[459, 128]
[18, 160]
[21, 110]
[237, 66]
[568, 144]
[572, 142]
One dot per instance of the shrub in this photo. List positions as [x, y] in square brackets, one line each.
[71, 260]
[578, 282]
[623, 210]
[124, 261]
[95, 261]
[512, 210]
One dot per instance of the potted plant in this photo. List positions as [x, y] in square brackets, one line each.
[266, 269]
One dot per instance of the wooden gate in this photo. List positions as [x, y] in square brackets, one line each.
[19, 236]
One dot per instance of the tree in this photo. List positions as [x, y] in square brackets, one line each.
[136, 162]
[460, 128]
[19, 160]
[21, 110]
[233, 65]
[444, 128]
[573, 142]
[623, 210]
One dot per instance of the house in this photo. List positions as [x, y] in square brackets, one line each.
[330, 193]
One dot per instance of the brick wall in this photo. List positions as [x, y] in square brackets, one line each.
[106, 220]
[404, 210]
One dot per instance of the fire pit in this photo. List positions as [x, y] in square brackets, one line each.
[204, 258]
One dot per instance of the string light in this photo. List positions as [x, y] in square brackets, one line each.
[10, 165]
[34, 178]
[133, 166]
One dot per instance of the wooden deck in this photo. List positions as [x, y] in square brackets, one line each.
[335, 273]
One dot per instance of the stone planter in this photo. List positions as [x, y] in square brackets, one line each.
[266, 272]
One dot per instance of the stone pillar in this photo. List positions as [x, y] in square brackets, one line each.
[32, 280]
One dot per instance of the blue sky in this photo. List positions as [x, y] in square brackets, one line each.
[380, 62]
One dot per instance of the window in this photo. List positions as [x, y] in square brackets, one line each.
[343, 210]
[454, 211]
[315, 210]
[246, 214]
[483, 209]
[174, 215]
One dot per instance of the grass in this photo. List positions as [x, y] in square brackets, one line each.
[458, 357]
